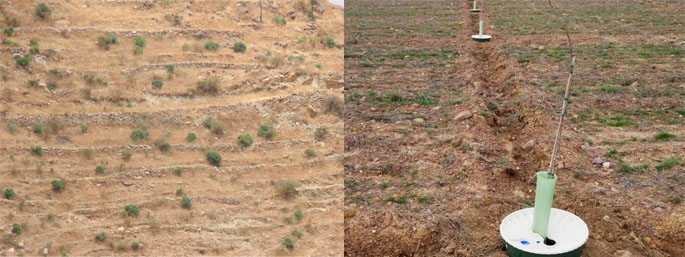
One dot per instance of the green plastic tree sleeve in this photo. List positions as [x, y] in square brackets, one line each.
[544, 193]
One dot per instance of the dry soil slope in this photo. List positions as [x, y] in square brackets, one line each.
[281, 80]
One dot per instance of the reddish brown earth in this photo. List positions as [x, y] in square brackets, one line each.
[419, 182]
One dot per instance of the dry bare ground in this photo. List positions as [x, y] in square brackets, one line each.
[85, 102]
[444, 135]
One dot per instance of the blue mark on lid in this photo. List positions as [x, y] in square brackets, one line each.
[538, 242]
[525, 243]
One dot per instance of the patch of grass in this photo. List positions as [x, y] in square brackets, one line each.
[36, 150]
[668, 164]
[179, 192]
[186, 202]
[426, 199]
[384, 184]
[164, 146]
[399, 200]
[126, 154]
[239, 47]
[298, 215]
[214, 158]
[213, 126]
[286, 188]
[296, 233]
[616, 121]
[9, 193]
[16, 229]
[137, 50]
[245, 140]
[310, 153]
[139, 41]
[139, 134]
[626, 168]
[191, 137]
[24, 61]
[42, 11]
[330, 43]
[320, 133]
[58, 185]
[178, 171]
[100, 169]
[279, 20]
[100, 236]
[610, 89]
[677, 200]
[132, 210]
[208, 86]
[212, 46]
[288, 220]
[107, 40]
[135, 245]
[157, 83]
[288, 242]
[423, 99]
[266, 131]
[663, 135]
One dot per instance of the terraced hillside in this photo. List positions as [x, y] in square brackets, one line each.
[130, 117]
[444, 134]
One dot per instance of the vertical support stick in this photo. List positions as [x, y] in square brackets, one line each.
[561, 117]
[480, 28]
[474, 4]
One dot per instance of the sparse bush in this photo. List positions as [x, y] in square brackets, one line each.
[105, 41]
[663, 136]
[213, 126]
[276, 60]
[16, 229]
[100, 236]
[157, 83]
[191, 137]
[175, 19]
[36, 150]
[135, 245]
[132, 210]
[138, 134]
[286, 188]
[178, 171]
[137, 50]
[24, 61]
[139, 41]
[334, 105]
[288, 243]
[212, 46]
[245, 140]
[42, 11]
[320, 133]
[164, 146]
[57, 185]
[186, 202]
[9, 193]
[310, 153]
[239, 47]
[179, 192]
[214, 158]
[296, 233]
[9, 31]
[298, 215]
[89, 78]
[266, 131]
[330, 42]
[279, 20]
[288, 220]
[208, 86]
[126, 154]
[100, 169]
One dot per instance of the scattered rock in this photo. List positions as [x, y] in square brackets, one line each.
[418, 120]
[126, 183]
[597, 161]
[560, 165]
[350, 212]
[45, 251]
[10, 252]
[541, 48]
[606, 218]
[529, 145]
[63, 138]
[606, 165]
[658, 210]
[623, 253]
[21, 244]
[463, 115]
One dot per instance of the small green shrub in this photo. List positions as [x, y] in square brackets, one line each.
[175, 19]
[668, 164]
[310, 153]
[212, 46]
[286, 188]
[132, 210]
[24, 61]
[135, 245]
[9, 31]
[245, 140]
[239, 47]
[330, 42]
[107, 40]
[164, 146]
[191, 137]
[266, 131]
[100, 236]
[100, 169]
[186, 202]
[663, 136]
[32, 82]
[279, 20]
[139, 41]
[126, 154]
[138, 134]
[36, 150]
[42, 11]
[179, 192]
[298, 215]
[157, 83]
[16, 229]
[178, 171]
[288, 220]
[34, 50]
[288, 243]
[214, 158]
[9, 193]
[208, 86]
[57, 185]
[334, 105]
[137, 50]
[296, 233]
[320, 133]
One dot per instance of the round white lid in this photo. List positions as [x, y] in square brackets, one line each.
[568, 230]
[480, 36]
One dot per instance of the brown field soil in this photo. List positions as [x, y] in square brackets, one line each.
[288, 78]
[421, 182]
